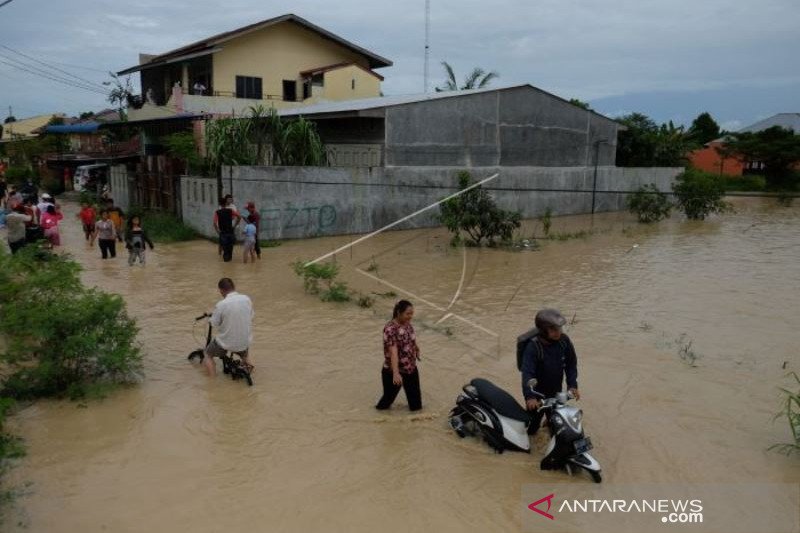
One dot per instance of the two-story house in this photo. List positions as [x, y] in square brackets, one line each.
[280, 62]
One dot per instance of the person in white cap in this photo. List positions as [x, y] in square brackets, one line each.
[41, 207]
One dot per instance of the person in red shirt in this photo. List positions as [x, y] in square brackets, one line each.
[88, 217]
[401, 353]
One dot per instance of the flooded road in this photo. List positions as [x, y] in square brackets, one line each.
[304, 449]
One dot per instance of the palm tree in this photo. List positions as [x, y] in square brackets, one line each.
[477, 79]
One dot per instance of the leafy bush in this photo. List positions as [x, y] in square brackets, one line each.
[314, 273]
[19, 175]
[65, 338]
[546, 219]
[649, 204]
[182, 146]
[476, 213]
[699, 194]
[337, 292]
[745, 183]
[791, 411]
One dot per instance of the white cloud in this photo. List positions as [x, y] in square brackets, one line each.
[136, 22]
[588, 49]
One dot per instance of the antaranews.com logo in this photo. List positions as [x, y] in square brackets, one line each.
[652, 507]
[670, 511]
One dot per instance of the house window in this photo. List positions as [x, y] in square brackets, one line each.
[318, 80]
[289, 90]
[248, 87]
[306, 88]
[353, 84]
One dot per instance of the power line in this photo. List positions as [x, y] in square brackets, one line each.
[51, 75]
[78, 78]
[53, 78]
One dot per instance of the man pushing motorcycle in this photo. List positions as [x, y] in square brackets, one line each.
[549, 357]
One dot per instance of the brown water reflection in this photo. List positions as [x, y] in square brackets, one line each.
[303, 450]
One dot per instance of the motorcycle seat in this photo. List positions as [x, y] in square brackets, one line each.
[500, 400]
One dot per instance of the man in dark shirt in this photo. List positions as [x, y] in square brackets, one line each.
[225, 221]
[548, 357]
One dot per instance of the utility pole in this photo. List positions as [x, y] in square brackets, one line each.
[427, 40]
[596, 161]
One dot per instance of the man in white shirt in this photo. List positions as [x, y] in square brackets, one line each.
[232, 319]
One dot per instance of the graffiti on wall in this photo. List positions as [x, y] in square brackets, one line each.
[305, 220]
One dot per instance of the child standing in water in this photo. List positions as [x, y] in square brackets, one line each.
[49, 223]
[250, 242]
[88, 218]
[135, 239]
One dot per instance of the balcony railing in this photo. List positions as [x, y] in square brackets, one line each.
[232, 94]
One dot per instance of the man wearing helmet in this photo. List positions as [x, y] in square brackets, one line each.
[548, 357]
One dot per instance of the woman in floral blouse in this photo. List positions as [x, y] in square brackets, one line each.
[400, 352]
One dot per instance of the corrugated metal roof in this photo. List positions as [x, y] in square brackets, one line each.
[351, 106]
[82, 127]
[790, 121]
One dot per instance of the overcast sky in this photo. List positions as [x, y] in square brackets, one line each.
[668, 59]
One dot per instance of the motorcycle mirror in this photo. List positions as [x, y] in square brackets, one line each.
[532, 383]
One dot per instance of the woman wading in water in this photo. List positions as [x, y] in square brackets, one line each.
[400, 352]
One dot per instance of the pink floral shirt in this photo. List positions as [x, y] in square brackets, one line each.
[405, 339]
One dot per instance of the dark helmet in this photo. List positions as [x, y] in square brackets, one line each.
[549, 318]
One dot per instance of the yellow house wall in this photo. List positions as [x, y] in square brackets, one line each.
[274, 54]
[24, 127]
[339, 84]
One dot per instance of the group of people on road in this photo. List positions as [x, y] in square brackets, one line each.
[112, 228]
[227, 220]
[30, 218]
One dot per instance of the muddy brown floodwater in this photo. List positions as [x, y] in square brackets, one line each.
[304, 450]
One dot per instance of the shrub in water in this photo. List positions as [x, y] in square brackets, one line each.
[476, 213]
[65, 338]
[649, 204]
[699, 194]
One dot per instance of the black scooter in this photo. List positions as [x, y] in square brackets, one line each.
[233, 366]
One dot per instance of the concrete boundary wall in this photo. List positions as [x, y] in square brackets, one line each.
[119, 185]
[300, 202]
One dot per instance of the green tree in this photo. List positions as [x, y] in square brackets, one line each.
[477, 79]
[704, 129]
[476, 213]
[182, 146]
[120, 94]
[636, 144]
[646, 144]
[580, 103]
[776, 147]
[9, 119]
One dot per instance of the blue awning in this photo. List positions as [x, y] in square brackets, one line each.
[83, 127]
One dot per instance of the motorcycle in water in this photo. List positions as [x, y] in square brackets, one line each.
[486, 409]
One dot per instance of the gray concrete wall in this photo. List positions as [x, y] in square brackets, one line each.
[522, 127]
[299, 202]
[120, 186]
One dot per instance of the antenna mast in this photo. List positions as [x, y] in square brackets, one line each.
[427, 40]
